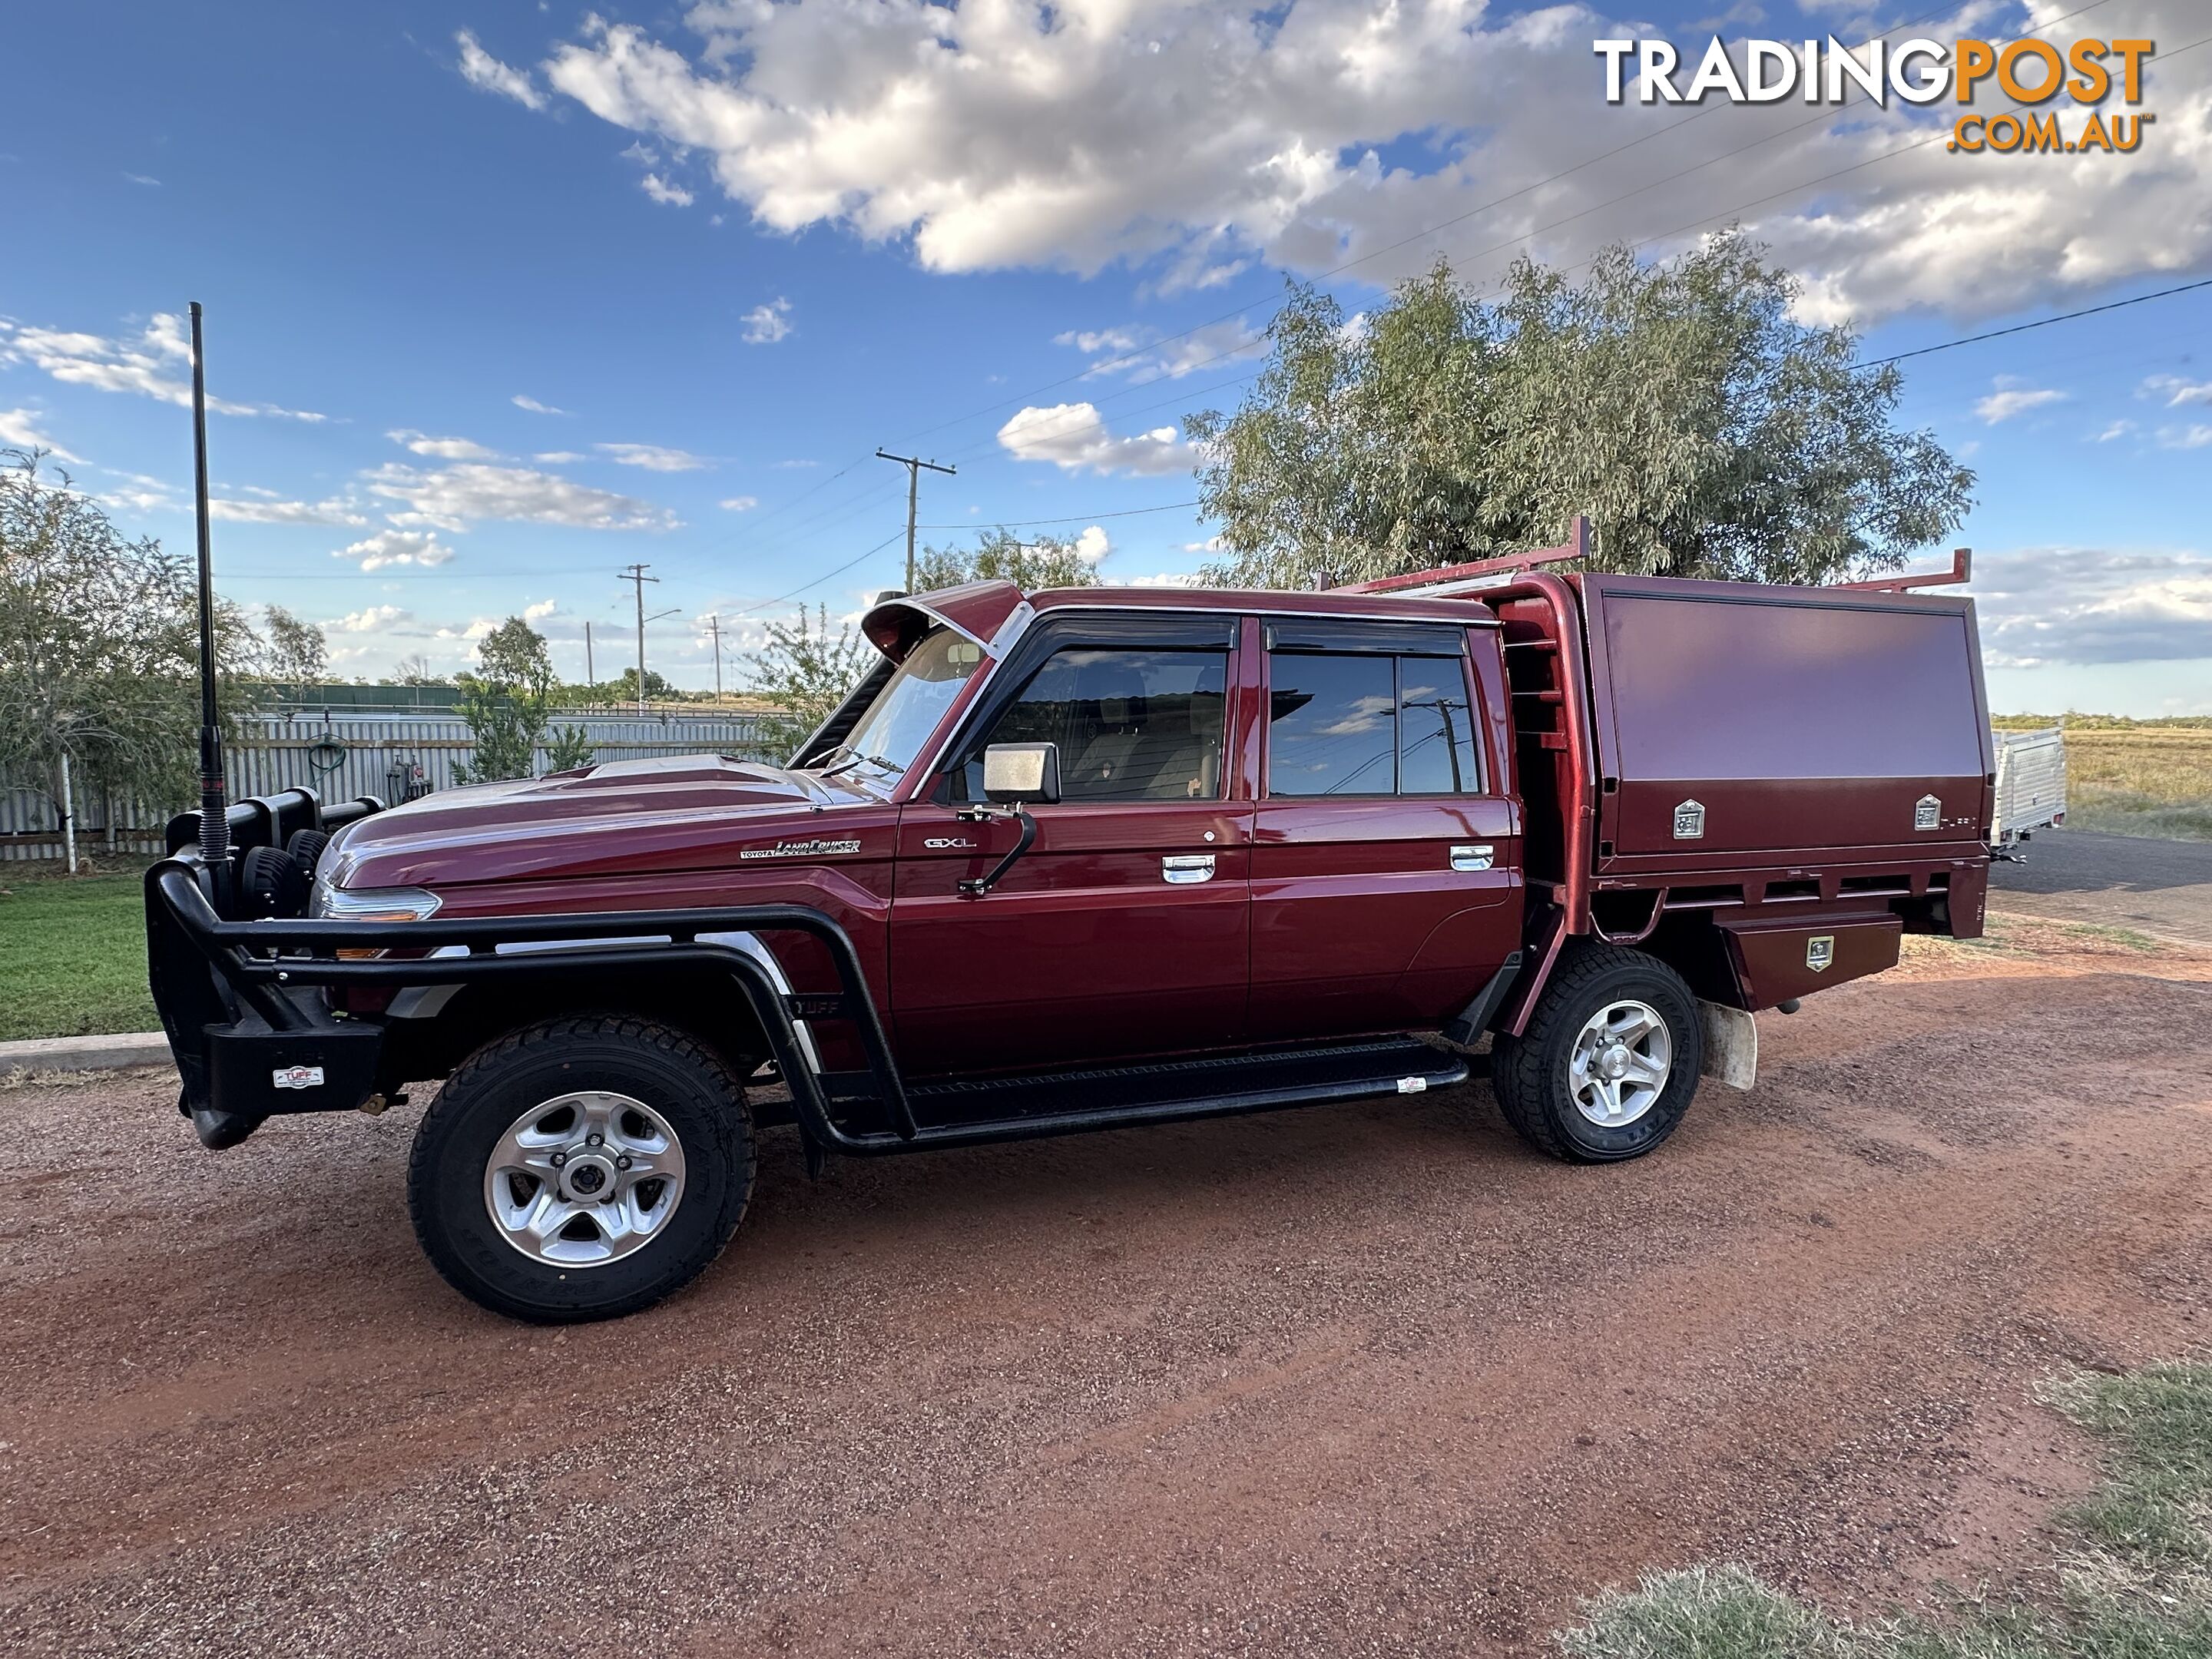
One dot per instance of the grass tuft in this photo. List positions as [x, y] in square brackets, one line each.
[2159, 1420]
[2136, 1583]
[1722, 1612]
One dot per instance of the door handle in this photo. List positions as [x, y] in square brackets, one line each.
[1471, 857]
[1183, 869]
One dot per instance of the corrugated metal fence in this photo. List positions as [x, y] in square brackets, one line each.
[340, 755]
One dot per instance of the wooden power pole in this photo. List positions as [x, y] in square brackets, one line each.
[635, 576]
[913, 464]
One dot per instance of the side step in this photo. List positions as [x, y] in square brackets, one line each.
[1071, 1103]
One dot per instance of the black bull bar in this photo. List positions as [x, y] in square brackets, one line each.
[253, 1038]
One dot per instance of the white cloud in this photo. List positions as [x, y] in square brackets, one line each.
[267, 510]
[741, 504]
[1165, 579]
[157, 364]
[2194, 436]
[767, 323]
[2093, 605]
[2177, 391]
[523, 400]
[2013, 398]
[788, 465]
[375, 619]
[19, 430]
[662, 191]
[542, 609]
[1210, 544]
[559, 457]
[454, 497]
[654, 458]
[1074, 437]
[444, 449]
[480, 68]
[1198, 135]
[2117, 429]
[1103, 339]
[1093, 544]
[1132, 350]
[396, 547]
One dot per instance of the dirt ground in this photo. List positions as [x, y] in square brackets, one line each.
[1361, 1380]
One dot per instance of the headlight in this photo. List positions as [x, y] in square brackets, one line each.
[328, 901]
[374, 903]
[369, 904]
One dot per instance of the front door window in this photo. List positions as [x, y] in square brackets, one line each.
[1132, 724]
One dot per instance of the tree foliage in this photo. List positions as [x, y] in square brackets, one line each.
[100, 647]
[416, 670]
[508, 703]
[1703, 431]
[623, 688]
[296, 652]
[999, 555]
[805, 671]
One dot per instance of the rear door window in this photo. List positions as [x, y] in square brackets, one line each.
[1368, 723]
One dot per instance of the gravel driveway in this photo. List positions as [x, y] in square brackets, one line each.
[1363, 1380]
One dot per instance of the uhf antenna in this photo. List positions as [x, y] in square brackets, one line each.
[214, 812]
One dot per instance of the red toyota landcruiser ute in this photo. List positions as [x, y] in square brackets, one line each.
[1082, 859]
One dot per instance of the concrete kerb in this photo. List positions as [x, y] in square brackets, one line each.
[120, 1052]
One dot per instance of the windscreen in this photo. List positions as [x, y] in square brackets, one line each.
[907, 710]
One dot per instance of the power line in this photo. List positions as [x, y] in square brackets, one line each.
[1098, 421]
[818, 582]
[1138, 354]
[1071, 518]
[2042, 322]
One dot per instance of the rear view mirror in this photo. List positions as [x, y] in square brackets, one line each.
[1022, 772]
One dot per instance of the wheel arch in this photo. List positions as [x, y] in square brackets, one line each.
[431, 1029]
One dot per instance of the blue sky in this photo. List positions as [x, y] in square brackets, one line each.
[737, 247]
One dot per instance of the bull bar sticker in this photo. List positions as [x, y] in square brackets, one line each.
[1690, 821]
[1927, 814]
[1820, 952]
[297, 1077]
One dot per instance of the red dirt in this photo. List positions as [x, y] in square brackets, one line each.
[1371, 1379]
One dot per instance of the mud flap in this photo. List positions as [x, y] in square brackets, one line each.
[1731, 1044]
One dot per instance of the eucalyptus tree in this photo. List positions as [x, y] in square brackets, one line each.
[99, 648]
[508, 701]
[1703, 428]
[1000, 555]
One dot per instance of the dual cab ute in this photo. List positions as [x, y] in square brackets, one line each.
[1082, 859]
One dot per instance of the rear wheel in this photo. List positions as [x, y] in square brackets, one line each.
[582, 1169]
[1609, 1061]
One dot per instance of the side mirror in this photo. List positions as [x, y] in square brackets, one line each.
[1015, 772]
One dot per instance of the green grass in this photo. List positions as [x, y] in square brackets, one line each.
[2134, 1582]
[72, 955]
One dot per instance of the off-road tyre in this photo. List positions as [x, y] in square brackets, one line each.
[1531, 1072]
[690, 1088]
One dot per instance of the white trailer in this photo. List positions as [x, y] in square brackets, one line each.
[2031, 784]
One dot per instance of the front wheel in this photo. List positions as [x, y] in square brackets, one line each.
[580, 1169]
[1609, 1061]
